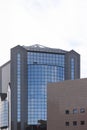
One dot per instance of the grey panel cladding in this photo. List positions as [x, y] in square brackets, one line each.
[68, 56]
[0, 80]
[4, 77]
[23, 60]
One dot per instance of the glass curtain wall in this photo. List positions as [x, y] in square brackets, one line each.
[3, 114]
[42, 68]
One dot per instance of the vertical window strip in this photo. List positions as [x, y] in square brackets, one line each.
[18, 88]
[72, 69]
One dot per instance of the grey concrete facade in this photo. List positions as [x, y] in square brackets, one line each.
[68, 56]
[24, 101]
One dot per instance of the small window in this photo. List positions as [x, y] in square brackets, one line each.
[82, 110]
[34, 62]
[67, 111]
[82, 122]
[75, 111]
[74, 123]
[67, 123]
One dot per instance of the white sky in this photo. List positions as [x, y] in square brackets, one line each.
[53, 23]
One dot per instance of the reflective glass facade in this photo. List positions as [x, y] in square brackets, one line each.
[18, 88]
[72, 68]
[42, 68]
[3, 114]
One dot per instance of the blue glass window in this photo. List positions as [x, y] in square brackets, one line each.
[72, 69]
[42, 68]
[18, 88]
[4, 113]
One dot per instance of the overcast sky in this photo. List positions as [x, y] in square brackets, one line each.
[52, 23]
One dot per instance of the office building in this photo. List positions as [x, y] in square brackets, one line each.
[31, 69]
[5, 110]
[67, 105]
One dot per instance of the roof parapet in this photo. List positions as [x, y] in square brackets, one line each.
[42, 48]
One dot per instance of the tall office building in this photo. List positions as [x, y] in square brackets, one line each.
[31, 69]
